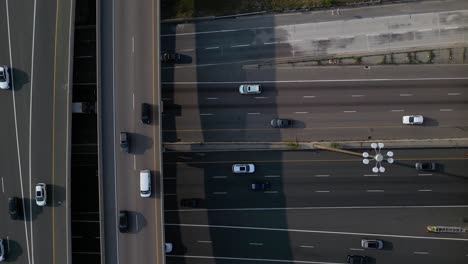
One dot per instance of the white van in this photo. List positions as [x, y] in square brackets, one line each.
[145, 183]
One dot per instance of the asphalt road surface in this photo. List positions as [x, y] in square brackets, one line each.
[35, 122]
[320, 205]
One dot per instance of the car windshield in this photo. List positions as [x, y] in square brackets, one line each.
[242, 168]
[411, 119]
[2, 76]
[38, 193]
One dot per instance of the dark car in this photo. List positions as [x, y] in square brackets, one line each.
[356, 259]
[260, 186]
[425, 166]
[13, 207]
[281, 123]
[123, 221]
[190, 202]
[169, 56]
[124, 141]
[145, 113]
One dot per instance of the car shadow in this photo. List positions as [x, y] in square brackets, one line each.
[21, 78]
[137, 222]
[13, 250]
[139, 143]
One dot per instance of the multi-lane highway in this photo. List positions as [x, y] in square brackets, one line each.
[35, 120]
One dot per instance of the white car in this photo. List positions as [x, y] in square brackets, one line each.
[4, 78]
[168, 247]
[250, 89]
[413, 120]
[41, 194]
[243, 168]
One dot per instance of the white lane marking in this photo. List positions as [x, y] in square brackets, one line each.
[210, 48]
[273, 192]
[357, 95]
[253, 259]
[406, 95]
[319, 232]
[136, 222]
[222, 193]
[446, 110]
[398, 110]
[350, 111]
[253, 113]
[16, 127]
[424, 30]
[134, 162]
[421, 252]
[206, 114]
[272, 176]
[323, 81]
[270, 43]
[211, 98]
[241, 45]
[425, 174]
[309, 96]
[3, 187]
[305, 246]
[451, 28]
[322, 175]
[133, 45]
[260, 97]
[356, 249]
[204, 241]
[370, 175]
[187, 50]
[255, 244]
[374, 190]
[133, 101]
[454, 94]
[322, 191]
[425, 190]
[301, 112]
[219, 177]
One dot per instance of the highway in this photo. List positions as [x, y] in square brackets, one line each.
[319, 206]
[35, 121]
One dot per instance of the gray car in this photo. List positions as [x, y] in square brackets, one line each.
[370, 243]
[425, 166]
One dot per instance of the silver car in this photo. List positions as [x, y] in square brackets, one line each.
[243, 168]
[373, 244]
[4, 78]
[250, 89]
[41, 194]
[413, 120]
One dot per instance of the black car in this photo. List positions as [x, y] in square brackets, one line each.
[426, 166]
[13, 207]
[260, 186]
[281, 123]
[145, 113]
[190, 202]
[169, 56]
[356, 259]
[123, 221]
[124, 141]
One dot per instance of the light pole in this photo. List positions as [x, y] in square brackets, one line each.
[378, 157]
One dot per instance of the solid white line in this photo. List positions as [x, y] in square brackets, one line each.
[272, 176]
[318, 232]
[206, 114]
[309, 96]
[253, 259]
[453, 93]
[406, 95]
[370, 175]
[16, 130]
[350, 111]
[204, 241]
[304, 246]
[67, 164]
[398, 110]
[260, 97]
[272, 192]
[133, 101]
[446, 110]
[322, 191]
[3, 187]
[425, 174]
[219, 177]
[270, 43]
[357, 249]
[241, 45]
[134, 162]
[185, 50]
[322, 175]
[253, 113]
[301, 112]
[209, 48]
[133, 45]
[451, 28]
[426, 190]
[324, 81]
[374, 190]
[256, 244]
[220, 193]
[357, 95]
[420, 252]
[211, 98]
[424, 30]
[114, 132]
